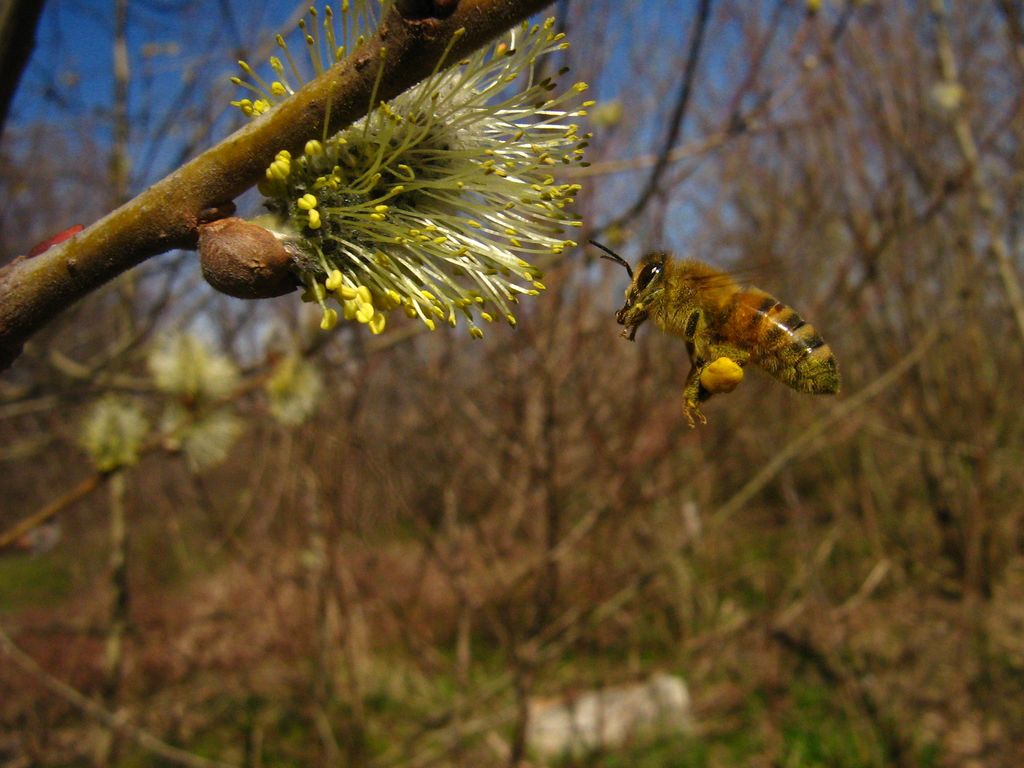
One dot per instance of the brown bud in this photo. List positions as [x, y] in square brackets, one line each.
[245, 260]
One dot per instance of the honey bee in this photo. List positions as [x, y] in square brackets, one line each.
[725, 326]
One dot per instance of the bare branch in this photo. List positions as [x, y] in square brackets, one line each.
[18, 22]
[76, 494]
[964, 134]
[114, 721]
[678, 113]
[799, 443]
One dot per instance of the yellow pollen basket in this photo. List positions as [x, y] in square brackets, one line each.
[720, 376]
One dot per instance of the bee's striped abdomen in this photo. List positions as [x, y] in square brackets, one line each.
[781, 342]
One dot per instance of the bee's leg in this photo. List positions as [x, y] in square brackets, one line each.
[693, 392]
[691, 410]
[693, 395]
[715, 369]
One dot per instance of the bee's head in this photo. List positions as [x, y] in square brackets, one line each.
[645, 288]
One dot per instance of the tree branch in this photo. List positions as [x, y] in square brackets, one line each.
[18, 22]
[167, 215]
[117, 722]
[675, 124]
[76, 494]
[985, 199]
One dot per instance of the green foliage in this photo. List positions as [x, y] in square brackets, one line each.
[819, 733]
[33, 580]
[664, 752]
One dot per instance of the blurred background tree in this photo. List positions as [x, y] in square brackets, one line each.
[410, 540]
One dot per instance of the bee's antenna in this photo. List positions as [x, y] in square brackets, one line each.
[613, 256]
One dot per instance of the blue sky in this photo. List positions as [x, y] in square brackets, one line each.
[71, 73]
[177, 49]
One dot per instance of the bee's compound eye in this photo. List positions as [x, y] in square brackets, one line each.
[647, 275]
